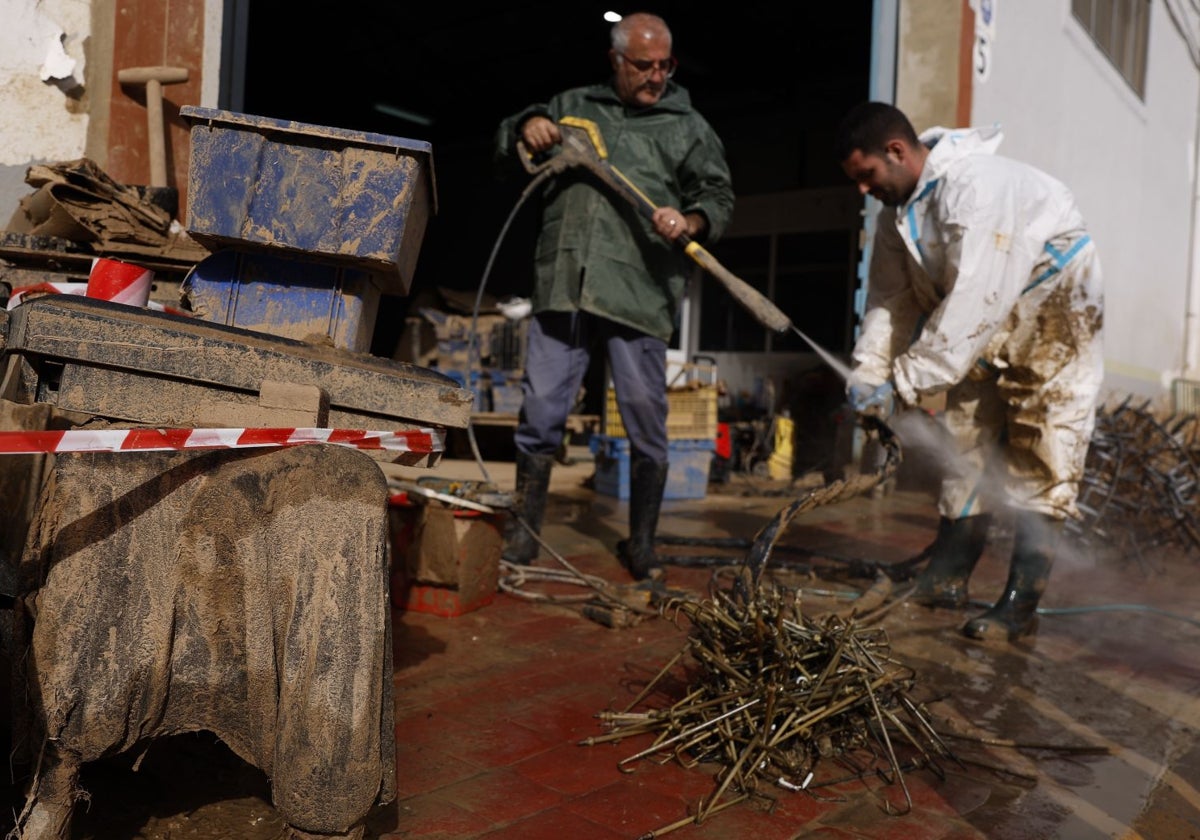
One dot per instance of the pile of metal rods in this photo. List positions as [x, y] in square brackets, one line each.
[1141, 485]
[773, 695]
[776, 692]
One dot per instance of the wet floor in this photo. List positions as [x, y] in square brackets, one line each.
[1086, 729]
[1104, 699]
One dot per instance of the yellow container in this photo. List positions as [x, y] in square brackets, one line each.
[779, 465]
[691, 414]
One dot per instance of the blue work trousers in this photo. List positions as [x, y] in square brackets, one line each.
[557, 356]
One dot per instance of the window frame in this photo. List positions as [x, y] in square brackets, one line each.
[1120, 29]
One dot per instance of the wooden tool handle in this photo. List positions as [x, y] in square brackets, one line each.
[759, 305]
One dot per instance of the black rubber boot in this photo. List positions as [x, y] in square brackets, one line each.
[647, 481]
[955, 551]
[529, 504]
[1034, 544]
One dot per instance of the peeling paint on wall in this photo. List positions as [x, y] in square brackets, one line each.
[58, 65]
[42, 65]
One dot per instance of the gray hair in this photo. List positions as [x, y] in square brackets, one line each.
[636, 22]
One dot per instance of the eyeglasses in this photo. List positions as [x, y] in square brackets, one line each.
[666, 66]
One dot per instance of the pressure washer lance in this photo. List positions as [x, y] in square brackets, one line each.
[583, 146]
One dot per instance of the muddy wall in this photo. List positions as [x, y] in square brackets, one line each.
[44, 95]
[60, 98]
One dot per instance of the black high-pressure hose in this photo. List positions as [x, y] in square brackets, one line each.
[574, 575]
[473, 337]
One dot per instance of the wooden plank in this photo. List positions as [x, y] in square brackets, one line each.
[99, 334]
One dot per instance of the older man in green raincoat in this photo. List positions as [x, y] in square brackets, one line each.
[604, 274]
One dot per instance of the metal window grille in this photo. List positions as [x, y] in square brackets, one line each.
[1185, 394]
[1121, 29]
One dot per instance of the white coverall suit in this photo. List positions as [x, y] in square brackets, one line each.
[986, 285]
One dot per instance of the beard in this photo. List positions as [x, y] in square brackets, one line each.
[889, 198]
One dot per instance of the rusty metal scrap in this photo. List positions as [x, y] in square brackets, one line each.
[775, 696]
[780, 701]
[1141, 483]
[777, 692]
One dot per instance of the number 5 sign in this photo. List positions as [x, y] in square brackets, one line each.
[985, 35]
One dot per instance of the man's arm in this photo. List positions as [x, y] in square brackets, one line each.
[706, 187]
[986, 270]
[890, 322]
[509, 131]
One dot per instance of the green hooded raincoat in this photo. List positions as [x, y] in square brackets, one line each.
[594, 252]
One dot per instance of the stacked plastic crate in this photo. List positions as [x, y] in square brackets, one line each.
[691, 433]
[308, 225]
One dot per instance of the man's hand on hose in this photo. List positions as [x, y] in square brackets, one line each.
[540, 133]
[872, 401]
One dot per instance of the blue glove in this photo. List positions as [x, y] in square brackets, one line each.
[878, 401]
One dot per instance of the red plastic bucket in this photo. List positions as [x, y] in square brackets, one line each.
[120, 282]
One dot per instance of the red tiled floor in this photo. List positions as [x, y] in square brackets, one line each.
[422, 769]
[799, 807]
[500, 796]
[825, 832]
[928, 794]
[745, 820]
[571, 769]
[963, 833]
[430, 730]
[556, 824]
[629, 806]
[498, 744]
[430, 818]
[868, 819]
[491, 705]
[688, 783]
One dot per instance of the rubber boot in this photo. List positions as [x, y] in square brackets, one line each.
[955, 551]
[647, 481]
[1015, 614]
[529, 504]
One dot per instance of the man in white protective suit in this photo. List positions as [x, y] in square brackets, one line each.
[985, 285]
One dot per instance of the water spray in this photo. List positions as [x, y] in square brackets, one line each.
[839, 367]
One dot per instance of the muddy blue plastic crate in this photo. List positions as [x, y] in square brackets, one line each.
[348, 197]
[286, 296]
[687, 474]
[507, 397]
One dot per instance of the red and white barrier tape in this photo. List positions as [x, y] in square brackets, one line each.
[421, 441]
[21, 292]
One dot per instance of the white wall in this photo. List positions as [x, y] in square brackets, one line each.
[1065, 109]
[43, 114]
